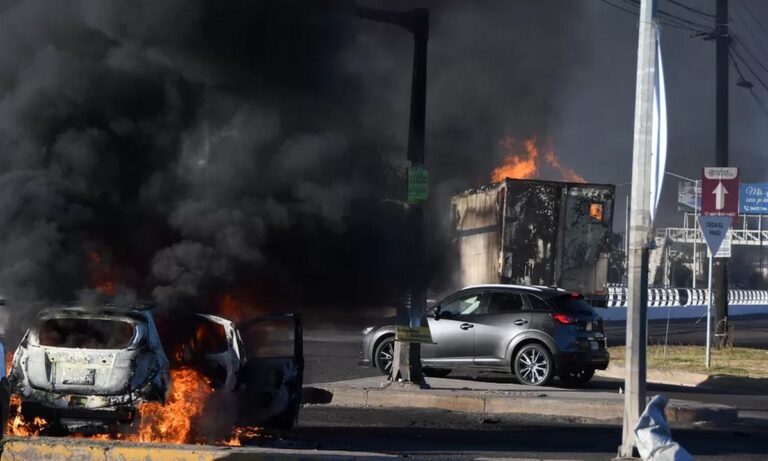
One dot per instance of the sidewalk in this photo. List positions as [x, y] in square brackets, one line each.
[501, 398]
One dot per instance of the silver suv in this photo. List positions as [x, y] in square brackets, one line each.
[532, 332]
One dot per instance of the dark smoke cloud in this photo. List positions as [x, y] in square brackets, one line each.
[253, 146]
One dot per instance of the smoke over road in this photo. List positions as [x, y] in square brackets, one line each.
[177, 142]
[181, 151]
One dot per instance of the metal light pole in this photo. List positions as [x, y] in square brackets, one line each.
[407, 363]
[723, 40]
[640, 226]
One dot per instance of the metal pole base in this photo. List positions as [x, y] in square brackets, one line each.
[406, 366]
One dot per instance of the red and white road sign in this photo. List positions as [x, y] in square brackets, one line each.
[720, 192]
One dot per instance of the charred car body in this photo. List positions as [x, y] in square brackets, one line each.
[89, 369]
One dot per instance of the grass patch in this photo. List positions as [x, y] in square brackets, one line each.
[737, 361]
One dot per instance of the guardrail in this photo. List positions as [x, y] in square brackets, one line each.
[752, 237]
[682, 297]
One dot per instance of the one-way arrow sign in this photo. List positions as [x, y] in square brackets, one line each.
[720, 192]
[714, 228]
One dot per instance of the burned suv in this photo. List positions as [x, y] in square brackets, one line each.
[535, 333]
[87, 369]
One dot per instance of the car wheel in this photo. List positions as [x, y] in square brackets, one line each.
[533, 365]
[577, 378]
[436, 372]
[384, 355]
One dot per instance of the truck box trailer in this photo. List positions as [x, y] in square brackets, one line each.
[536, 233]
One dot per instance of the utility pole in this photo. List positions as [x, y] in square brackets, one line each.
[407, 362]
[721, 159]
[640, 226]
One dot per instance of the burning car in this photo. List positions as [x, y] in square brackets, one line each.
[91, 369]
[89, 366]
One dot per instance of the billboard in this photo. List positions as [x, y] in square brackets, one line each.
[753, 198]
[688, 196]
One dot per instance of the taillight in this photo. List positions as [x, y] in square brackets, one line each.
[564, 319]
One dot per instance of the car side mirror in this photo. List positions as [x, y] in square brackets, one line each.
[438, 312]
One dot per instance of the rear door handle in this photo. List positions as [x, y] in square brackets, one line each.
[520, 322]
[466, 326]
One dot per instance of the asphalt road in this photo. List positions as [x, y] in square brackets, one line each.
[440, 434]
[333, 355]
[337, 361]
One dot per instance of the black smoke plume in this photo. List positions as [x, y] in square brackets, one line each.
[176, 151]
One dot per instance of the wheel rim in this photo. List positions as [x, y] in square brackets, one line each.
[532, 366]
[386, 354]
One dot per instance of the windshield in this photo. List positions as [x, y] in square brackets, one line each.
[570, 304]
[85, 333]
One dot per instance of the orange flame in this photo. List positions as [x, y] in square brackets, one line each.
[567, 173]
[526, 164]
[165, 423]
[518, 166]
[103, 276]
[19, 426]
[235, 308]
[241, 433]
[172, 422]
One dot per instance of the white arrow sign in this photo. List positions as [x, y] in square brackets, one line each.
[720, 192]
[714, 228]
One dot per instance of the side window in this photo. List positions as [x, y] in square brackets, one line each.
[537, 304]
[503, 303]
[463, 305]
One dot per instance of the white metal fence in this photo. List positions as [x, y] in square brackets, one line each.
[682, 297]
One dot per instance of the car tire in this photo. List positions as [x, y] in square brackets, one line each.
[436, 372]
[533, 365]
[577, 378]
[384, 354]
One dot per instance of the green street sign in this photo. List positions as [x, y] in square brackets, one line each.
[418, 185]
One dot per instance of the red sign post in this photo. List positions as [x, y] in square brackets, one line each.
[720, 192]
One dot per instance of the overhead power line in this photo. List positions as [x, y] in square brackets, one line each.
[760, 103]
[619, 7]
[674, 17]
[745, 23]
[735, 52]
[743, 45]
[691, 9]
[676, 25]
[754, 17]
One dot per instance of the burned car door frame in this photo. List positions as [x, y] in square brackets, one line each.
[270, 387]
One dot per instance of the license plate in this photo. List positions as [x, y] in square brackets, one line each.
[593, 345]
[74, 375]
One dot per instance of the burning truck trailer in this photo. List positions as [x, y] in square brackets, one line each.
[131, 373]
[532, 232]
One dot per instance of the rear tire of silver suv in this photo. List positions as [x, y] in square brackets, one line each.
[533, 365]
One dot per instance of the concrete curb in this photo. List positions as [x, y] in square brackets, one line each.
[699, 380]
[522, 403]
[57, 449]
